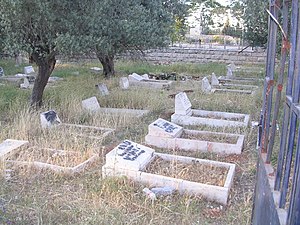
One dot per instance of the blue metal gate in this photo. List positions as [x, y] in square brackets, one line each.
[277, 191]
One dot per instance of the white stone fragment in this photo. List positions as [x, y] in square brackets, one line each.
[91, 104]
[124, 83]
[28, 70]
[135, 77]
[164, 128]
[205, 85]
[182, 104]
[103, 89]
[49, 118]
[130, 156]
[214, 80]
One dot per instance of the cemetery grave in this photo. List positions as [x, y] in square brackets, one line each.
[139, 163]
[139, 81]
[92, 105]
[59, 161]
[66, 146]
[10, 145]
[185, 115]
[164, 134]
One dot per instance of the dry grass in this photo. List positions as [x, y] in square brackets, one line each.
[34, 196]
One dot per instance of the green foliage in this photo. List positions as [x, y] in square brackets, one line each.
[256, 22]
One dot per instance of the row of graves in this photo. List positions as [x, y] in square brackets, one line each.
[142, 162]
[26, 79]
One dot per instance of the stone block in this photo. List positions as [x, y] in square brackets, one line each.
[8, 146]
[29, 70]
[124, 83]
[49, 118]
[91, 104]
[182, 104]
[205, 85]
[103, 89]
[164, 128]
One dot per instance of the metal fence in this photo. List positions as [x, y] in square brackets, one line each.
[283, 184]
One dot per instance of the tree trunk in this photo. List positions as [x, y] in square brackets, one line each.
[107, 62]
[45, 68]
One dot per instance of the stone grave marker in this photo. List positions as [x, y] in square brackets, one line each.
[146, 76]
[124, 83]
[28, 70]
[135, 77]
[229, 72]
[102, 89]
[205, 85]
[183, 105]
[25, 84]
[232, 66]
[164, 128]
[91, 104]
[1, 72]
[49, 119]
[214, 80]
[9, 145]
[96, 70]
[130, 156]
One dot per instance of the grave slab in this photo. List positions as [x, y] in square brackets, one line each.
[129, 156]
[214, 80]
[211, 192]
[26, 84]
[49, 119]
[164, 128]
[91, 104]
[139, 81]
[124, 83]
[10, 145]
[205, 85]
[103, 89]
[96, 70]
[182, 104]
[184, 115]
[53, 155]
[29, 70]
[229, 73]
[238, 91]
[194, 140]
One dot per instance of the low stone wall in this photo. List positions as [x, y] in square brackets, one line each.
[198, 55]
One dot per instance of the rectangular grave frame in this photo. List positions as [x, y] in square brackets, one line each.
[198, 118]
[123, 111]
[211, 192]
[107, 132]
[10, 149]
[56, 168]
[238, 91]
[150, 83]
[185, 144]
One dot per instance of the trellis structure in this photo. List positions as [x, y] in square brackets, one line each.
[277, 191]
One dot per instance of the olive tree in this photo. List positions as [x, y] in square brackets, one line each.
[42, 28]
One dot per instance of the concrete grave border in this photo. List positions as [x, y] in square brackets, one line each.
[198, 118]
[185, 115]
[197, 145]
[211, 192]
[139, 81]
[56, 168]
[10, 145]
[122, 111]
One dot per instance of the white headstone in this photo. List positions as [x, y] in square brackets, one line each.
[103, 89]
[205, 85]
[232, 66]
[28, 70]
[25, 84]
[124, 83]
[214, 80]
[9, 145]
[129, 155]
[146, 76]
[54, 79]
[164, 128]
[1, 72]
[229, 72]
[135, 77]
[96, 70]
[91, 104]
[183, 105]
[49, 119]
